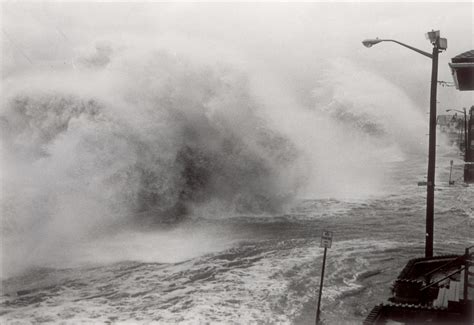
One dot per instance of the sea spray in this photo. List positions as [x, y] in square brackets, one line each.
[355, 123]
[145, 141]
[141, 136]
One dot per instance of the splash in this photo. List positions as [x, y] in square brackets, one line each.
[133, 140]
[355, 125]
[126, 139]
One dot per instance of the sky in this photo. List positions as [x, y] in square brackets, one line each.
[290, 41]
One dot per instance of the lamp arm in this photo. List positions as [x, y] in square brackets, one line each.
[456, 110]
[410, 47]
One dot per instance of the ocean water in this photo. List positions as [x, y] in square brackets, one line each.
[254, 268]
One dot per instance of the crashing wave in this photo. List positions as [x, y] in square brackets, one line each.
[181, 136]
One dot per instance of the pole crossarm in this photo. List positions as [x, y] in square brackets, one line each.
[410, 47]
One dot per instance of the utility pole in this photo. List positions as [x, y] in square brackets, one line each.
[431, 153]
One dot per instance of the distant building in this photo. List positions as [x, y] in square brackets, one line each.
[450, 123]
[453, 127]
[462, 68]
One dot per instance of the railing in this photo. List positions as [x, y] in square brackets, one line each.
[441, 280]
[427, 275]
[467, 263]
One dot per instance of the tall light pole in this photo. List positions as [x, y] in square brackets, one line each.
[439, 44]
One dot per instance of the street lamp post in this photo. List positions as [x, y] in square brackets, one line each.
[439, 44]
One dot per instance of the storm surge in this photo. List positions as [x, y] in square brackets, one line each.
[171, 137]
[136, 140]
[123, 140]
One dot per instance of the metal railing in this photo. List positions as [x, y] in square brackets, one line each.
[467, 263]
[442, 279]
[427, 275]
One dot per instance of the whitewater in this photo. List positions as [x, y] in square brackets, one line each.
[249, 268]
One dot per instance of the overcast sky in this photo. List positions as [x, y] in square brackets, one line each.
[292, 42]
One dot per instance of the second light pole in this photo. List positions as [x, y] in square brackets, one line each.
[466, 147]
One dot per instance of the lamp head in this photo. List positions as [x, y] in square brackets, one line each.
[371, 42]
[432, 36]
[442, 43]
